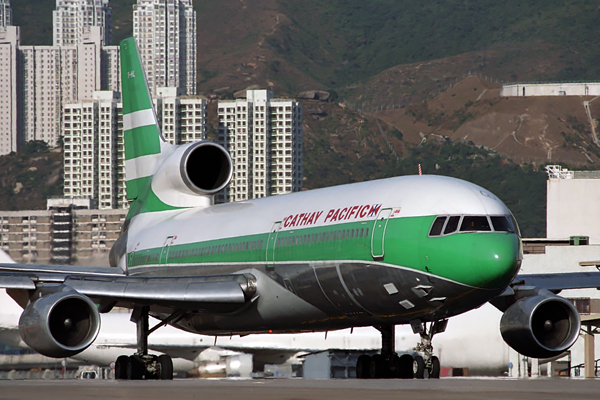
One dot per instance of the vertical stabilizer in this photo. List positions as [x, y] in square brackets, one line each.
[143, 141]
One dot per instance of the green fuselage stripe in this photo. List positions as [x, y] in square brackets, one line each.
[469, 258]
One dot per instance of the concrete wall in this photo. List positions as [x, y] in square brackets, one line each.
[573, 209]
[551, 89]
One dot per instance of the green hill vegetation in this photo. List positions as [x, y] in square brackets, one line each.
[342, 42]
[29, 177]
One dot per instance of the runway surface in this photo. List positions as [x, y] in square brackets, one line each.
[296, 389]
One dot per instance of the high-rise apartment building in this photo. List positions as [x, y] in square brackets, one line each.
[264, 138]
[37, 81]
[165, 31]
[73, 18]
[182, 118]
[94, 160]
[52, 76]
[10, 140]
[5, 14]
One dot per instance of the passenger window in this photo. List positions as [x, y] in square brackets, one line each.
[452, 225]
[436, 228]
[472, 224]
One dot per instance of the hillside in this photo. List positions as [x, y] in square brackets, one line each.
[29, 177]
[532, 129]
[291, 45]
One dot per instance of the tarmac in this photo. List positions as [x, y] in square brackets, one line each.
[297, 389]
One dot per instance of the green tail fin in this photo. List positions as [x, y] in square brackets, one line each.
[143, 141]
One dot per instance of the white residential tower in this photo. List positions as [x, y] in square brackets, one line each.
[264, 137]
[165, 31]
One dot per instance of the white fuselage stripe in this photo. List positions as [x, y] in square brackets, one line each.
[138, 118]
[141, 167]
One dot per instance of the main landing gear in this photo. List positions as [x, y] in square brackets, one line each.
[389, 365]
[142, 365]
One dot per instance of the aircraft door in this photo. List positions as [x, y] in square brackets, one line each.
[164, 254]
[377, 238]
[271, 242]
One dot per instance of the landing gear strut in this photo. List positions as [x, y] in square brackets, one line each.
[428, 360]
[389, 365]
[142, 365]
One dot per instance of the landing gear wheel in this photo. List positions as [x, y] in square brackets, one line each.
[363, 367]
[166, 367]
[121, 367]
[434, 371]
[406, 366]
[394, 367]
[377, 369]
[135, 368]
[419, 367]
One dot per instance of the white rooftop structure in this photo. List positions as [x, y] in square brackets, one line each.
[573, 204]
[524, 89]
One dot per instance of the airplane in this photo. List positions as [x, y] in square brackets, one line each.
[472, 341]
[412, 250]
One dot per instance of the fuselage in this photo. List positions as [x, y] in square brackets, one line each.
[379, 252]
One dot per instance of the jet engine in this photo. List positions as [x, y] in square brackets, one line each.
[540, 326]
[60, 324]
[199, 168]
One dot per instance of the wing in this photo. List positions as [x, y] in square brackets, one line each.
[559, 281]
[109, 287]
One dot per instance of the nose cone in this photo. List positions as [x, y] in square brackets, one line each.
[496, 259]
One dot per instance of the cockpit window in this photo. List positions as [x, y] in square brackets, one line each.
[502, 224]
[436, 228]
[475, 223]
[452, 225]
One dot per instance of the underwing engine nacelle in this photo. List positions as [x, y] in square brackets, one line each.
[201, 168]
[540, 326]
[60, 324]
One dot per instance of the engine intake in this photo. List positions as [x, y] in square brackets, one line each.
[540, 326]
[60, 324]
[192, 174]
[206, 168]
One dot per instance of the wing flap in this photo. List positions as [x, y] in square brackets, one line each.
[161, 291]
[61, 269]
[10, 281]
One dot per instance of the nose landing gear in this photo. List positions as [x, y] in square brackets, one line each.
[427, 361]
[389, 365]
